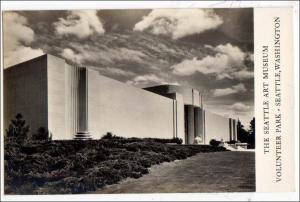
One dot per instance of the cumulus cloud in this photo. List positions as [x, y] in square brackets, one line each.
[17, 39]
[179, 23]
[81, 23]
[228, 62]
[69, 54]
[239, 88]
[240, 107]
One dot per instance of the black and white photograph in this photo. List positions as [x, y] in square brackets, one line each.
[111, 101]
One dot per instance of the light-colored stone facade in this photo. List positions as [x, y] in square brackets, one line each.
[128, 111]
[75, 101]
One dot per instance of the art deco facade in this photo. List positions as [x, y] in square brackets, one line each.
[77, 102]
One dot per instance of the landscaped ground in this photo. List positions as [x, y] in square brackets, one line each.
[64, 167]
[204, 172]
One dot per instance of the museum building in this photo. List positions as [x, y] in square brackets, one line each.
[79, 103]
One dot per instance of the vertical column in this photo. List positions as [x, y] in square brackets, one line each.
[204, 126]
[200, 103]
[192, 96]
[73, 100]
[176, 115]
[201, 122]
[189, 124]
[68, 98]
[82, 105]
[235, 130]
[230, 129]
[174, 120]
[198, 118]
[76, 99]
[74, 79]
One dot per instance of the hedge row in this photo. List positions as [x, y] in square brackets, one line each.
[64, 167]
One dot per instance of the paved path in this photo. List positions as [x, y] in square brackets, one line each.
[205, 172]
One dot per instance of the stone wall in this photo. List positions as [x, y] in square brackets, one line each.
[216, 127]
[128, 111]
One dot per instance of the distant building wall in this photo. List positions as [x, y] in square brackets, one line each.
[128, 111]
[25, 92]
[216, 127]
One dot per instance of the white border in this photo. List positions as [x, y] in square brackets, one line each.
[60, 5]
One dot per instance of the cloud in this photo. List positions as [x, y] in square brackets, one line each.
[235, 55]
[237, 110]
[250, 57]
[146, 79]
[179, 23]
[81, 23]
[82, 54]
[121, 54]
[228, 62]
[115, 71]
[17, 39]
[243, 74]
[69, 54]
[21, 54]
[239, 88]
[240, 107]
[149, 79]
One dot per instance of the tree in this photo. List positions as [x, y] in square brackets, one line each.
[247, 136]
[42, 134]
[242, 134]
[252, 126]
[252, 133]
[18, 130]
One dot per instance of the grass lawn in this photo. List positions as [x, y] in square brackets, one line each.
[64, 167]
[201, 173]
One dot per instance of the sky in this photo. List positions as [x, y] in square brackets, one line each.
[207, 49]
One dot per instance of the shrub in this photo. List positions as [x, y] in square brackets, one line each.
[214, 143]
[71, 166]
[41, 135]
[159, 140]
[177, 140]
[110, 136]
